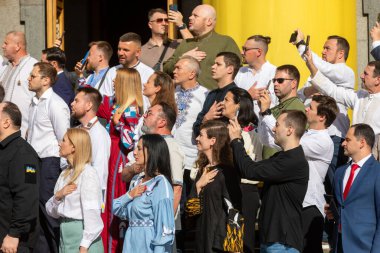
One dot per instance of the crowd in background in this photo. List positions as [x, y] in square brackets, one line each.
[112, 158]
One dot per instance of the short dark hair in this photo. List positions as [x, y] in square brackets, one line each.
[263, 40]
[231, 59]
[153, 11]
[94, 96]
[168, 113]
[376, 71]
[56, 54]
[158, 156]
[13, 112]
[2, 93]
[291, 70]
[364, 131]
[342, 44]
[296, 119]
[246, 114]
[104, 47]
[47, 70]
[127, 37]
[326, 107]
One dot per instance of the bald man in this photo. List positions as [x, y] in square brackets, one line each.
[14, 78]
[205, 45]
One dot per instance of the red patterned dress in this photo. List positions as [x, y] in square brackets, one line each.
[122, 142]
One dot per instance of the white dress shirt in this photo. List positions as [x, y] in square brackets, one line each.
[82, 204]
[246, 77]
[189, 107]
[366, 107]
[348, 171]
[145, 72]
[375, 44]
[49, 119]
[101, 149]
[342, 76]
[14, 79]
[318, 148]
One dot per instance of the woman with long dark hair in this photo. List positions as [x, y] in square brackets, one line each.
[148, 204]
[238, 103]
[216, 180]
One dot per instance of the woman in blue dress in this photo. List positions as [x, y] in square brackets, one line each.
[148, 204]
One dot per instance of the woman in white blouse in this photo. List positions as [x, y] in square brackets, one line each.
[77, 197]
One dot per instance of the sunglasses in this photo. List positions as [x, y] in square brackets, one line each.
[280, 80]
[245, 49]
[160, 20]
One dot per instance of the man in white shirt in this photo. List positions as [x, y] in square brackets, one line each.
[97, 61]
[318, 148]
[257, 76]
[365, 103]
[128, 51]
[14, 78]
[190, 96]
[49, 119]
[84, 108]
[333, 66]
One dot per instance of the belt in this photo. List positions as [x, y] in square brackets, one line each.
[140, 223]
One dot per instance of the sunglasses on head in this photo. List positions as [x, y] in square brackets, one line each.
[280, 80]
[160, 20]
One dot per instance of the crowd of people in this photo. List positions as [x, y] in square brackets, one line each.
[108, 159]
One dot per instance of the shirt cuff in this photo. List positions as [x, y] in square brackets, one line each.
[375, 44]
[85, 243]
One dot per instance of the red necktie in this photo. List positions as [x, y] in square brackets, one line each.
[354, 167]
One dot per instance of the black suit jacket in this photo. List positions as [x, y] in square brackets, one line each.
[64, 89]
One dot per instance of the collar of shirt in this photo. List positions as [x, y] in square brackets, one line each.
[47, 94]
[59, 72]
[10, 138]
[363, 160]
[228, 86]
[151, 43]
[201, 37]
[182, 90]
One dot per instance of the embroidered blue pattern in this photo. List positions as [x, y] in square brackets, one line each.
[183, 103]
[141, 223]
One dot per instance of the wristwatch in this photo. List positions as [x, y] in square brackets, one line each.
[266, 112]
[183, 26]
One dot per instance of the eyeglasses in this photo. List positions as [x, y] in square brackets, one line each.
[245, 49]
[160, 20]
[280, 80]
[33, 76]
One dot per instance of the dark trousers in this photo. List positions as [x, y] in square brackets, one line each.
[312, 223]
[48, 239]
[338, 160]
[339, 247]
[250, 205]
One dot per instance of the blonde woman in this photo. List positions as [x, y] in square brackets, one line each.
[122, 112]
[77, 197]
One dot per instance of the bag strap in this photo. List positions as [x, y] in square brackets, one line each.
[103, 78]
[158, 64]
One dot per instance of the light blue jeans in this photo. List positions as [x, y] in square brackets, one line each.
[276, 248]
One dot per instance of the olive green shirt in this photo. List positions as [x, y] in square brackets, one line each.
[212, 43]
[293, 103]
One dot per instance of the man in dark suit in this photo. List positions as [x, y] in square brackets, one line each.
[285, 176]
[62, 86]
[357, 194]
[375, 35]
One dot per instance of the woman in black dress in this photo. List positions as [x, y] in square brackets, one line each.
[215, 181]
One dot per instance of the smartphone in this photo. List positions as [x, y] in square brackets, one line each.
[293, 37]
[173, 7]
[306, 44]
[85, 57]
[333, 207]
